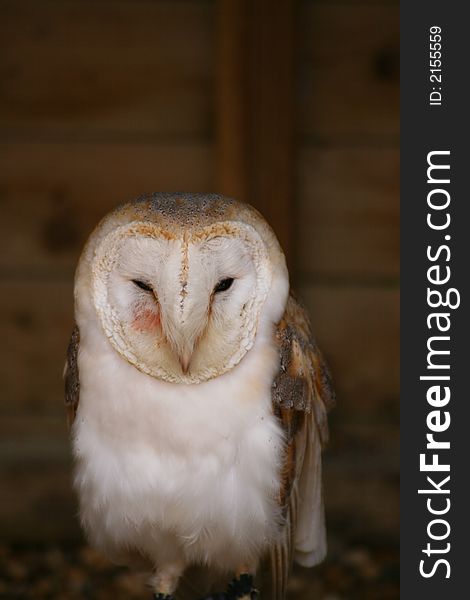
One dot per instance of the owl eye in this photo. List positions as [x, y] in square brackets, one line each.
[223, 285]
[142, 285]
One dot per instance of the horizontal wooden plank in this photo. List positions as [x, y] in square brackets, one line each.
[363, 503]
[358, 329]
[37, 500]
[52, 195]
[359, 504]
[361, 479]
[36, 318]
[349, 211]
[80, 68]
[37, 503]
[28, 436]
[348, 70]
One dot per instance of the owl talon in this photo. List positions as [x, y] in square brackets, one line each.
[241, 588]
[163, 597]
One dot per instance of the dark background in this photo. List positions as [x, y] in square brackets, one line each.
[292, 106]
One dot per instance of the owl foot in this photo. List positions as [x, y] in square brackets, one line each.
[163, 597]
[241, 588]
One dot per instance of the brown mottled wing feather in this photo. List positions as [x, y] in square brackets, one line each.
[71, 378]
[302, 395]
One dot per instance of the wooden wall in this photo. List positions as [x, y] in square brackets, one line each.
[100, 101]
[348, 245]
[103, 100]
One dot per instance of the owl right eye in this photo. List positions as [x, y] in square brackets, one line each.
[142, 285]
[223, 285]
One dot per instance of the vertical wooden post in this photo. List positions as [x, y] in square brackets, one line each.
[255, 89]
[231, 102]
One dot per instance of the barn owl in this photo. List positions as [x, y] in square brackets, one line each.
[197, 400]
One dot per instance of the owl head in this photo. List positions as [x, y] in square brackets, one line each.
[181, 285]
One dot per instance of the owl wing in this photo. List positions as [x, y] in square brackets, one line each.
[302, 394]
[71, 378]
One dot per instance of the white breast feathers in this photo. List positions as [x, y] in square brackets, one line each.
[190, 471]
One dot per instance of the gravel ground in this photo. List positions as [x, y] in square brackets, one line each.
[69, 573]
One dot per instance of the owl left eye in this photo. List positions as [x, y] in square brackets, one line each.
[142, 285]
[223, 285]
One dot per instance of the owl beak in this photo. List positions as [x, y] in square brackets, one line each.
[185, 360]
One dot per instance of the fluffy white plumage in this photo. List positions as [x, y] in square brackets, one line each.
[201, 462]
[182, 458]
